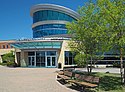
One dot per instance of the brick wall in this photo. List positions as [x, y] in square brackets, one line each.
[6, 44]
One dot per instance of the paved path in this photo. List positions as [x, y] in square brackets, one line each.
[30, 80]
[104, 70]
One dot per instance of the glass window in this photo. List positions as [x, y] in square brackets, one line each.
[61, 16]
[40, 16]
[3, 46]
[40, 58]
[55, 25]
[49, 29]
[44, 17]
[40, 53]
[69, 58]
[50, 15]
[66, 61]
[31, 53]
[7, 46]
[51, 53]
[55, 15]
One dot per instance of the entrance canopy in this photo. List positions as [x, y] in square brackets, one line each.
[36, 45]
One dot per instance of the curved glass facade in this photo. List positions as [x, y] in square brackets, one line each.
[49, 29]
[50, 15]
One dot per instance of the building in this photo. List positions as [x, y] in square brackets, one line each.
[5, 48]
[49, 45]
[49, 19]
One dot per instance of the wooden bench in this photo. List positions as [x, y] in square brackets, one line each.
[66, 75]
[85, 81]
[60, 72]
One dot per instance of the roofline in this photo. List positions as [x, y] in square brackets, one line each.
[24, 41]
[54, 7]
[7, 41]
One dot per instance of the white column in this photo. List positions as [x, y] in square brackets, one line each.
[45, 59]
[35, 59]
[1, 61]
[56, 59]
[16, 57]
[22, 60]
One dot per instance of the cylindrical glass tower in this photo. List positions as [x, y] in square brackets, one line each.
[50, 19]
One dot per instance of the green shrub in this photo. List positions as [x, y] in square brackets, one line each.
[4, 64]
[8, 57]
[11, 64]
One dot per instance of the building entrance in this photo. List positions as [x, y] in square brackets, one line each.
[31, 60]
[42, 59]
[51, 61]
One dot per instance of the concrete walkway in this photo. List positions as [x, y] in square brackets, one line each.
[30, 80]
[103, 70]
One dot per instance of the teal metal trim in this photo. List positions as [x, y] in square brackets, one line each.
[35, 45]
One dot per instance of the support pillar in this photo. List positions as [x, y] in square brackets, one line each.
[16, 57]
[1, 61]
[22, 60]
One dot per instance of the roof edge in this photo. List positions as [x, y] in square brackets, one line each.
[55, 7]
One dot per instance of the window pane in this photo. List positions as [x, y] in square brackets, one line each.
[48, 61]
[51, 52]
[50, 15]
[31, 53]
[66, 60]
[53, 61]
[69, 58]
[66, 54]
[40, 58]
[70, 61]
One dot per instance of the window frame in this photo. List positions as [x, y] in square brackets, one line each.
[70, 56]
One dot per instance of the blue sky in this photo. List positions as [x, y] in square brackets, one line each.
[15, 19]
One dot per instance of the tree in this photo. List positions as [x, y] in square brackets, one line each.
[113, 12]
[80, 59]
[9, 57]
[87, 33]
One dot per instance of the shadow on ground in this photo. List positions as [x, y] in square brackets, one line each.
[107, 83]
[75, 87]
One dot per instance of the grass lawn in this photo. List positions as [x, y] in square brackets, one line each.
[109, 82]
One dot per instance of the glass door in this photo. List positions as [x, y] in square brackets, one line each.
[40, 59]
[31, 61]
[51, 61]
[48, 61]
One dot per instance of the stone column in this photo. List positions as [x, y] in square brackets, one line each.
[15, 57]
[22, 60]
